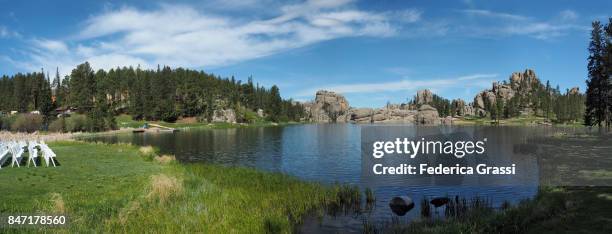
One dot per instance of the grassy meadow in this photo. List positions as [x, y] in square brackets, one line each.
[126, 121]
[514, 121]
[121, 188]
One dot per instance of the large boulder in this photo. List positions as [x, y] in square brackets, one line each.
[479, 100]
[362, 115]
[427, 115]
[224, 116]
[392, 113]
[448, 120]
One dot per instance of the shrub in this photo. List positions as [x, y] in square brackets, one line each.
[169, 117]
[202, 118]
[58, 125]
[27, 123]
[6, 121]
[250, 116]
[78, 123]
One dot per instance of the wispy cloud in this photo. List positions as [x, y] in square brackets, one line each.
[7, 33]
[183, 36]
[408, 15]
[51, 45]
[507, 24]
[478, 80]
[492, 14]
[568, 15]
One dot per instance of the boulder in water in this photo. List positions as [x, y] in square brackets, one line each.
[401, 205]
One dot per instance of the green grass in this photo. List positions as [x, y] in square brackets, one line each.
[94, 182]
[515, 121]
[126, 121]
[114, 188]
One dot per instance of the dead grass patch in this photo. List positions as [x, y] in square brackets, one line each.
[164, 187]
[147, 150]
[58, 203]
[165, 159]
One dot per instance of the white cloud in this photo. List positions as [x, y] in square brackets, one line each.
[492, 14]
[505, 24]
[183, 36]
[51, 45]
[408, 15]
[406, 85]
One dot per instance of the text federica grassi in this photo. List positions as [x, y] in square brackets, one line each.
[412, 148]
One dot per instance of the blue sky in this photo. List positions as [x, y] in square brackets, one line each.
[371, 51]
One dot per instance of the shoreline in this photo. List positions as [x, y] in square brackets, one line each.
[58, 136]
[191, 185]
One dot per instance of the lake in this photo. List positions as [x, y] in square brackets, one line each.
[331, 153]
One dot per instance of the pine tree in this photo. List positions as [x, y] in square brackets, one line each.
[56, 88]
[608, 69]
[82, 87]
[597, 87]
[45, 101]
[275, 105]
[100, 110]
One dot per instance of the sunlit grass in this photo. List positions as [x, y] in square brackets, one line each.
[112, 188]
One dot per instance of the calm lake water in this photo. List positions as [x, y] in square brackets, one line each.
[331, 153]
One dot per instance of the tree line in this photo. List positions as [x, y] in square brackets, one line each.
[150, 94]
[534, 98]
[599, 83]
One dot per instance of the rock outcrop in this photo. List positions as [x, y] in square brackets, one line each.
[520, 84]
[427, 115]
[224, 116]
[574, 91]
[448, 120]
[332, 107]
[468, 110]
[260, 113]
[526, 79]
[424, 97]
[328, 107]
[363, 115]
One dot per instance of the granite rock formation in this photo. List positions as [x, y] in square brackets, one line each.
[224, 116]
[328, 107]
[520, 84]
[427, 115]
[424, 97]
